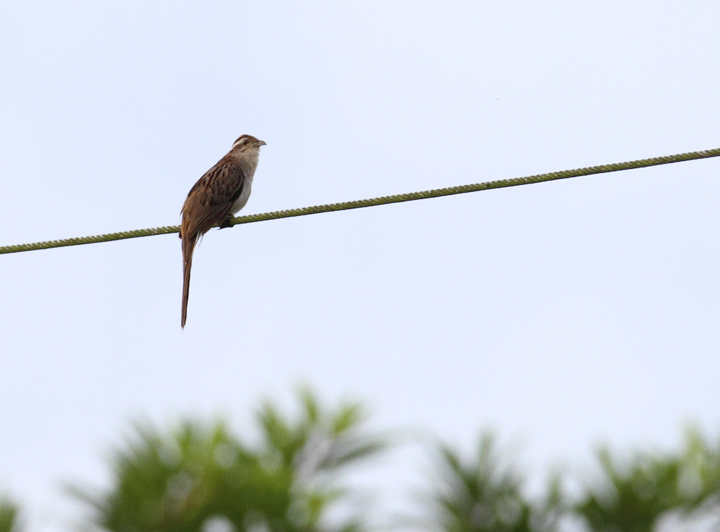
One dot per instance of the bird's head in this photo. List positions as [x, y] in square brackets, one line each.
[246, 143]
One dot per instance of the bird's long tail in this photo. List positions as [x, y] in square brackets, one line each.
[188, 246]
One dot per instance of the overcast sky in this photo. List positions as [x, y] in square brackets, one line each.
[565, 313]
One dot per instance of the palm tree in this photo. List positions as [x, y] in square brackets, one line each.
[485, 494]
[634, 495]
[199, 474]
[8, 516]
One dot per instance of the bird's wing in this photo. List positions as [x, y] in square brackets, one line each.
[210, 199]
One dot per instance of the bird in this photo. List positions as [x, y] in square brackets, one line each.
[220, 193]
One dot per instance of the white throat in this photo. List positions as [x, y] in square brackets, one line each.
[248, 162]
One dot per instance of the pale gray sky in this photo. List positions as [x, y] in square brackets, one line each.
[569, 313]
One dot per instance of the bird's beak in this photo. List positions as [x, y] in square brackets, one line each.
[260, 143]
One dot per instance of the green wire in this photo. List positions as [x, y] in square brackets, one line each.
[385, 200]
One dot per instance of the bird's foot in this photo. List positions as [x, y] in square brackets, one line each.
[227, 223]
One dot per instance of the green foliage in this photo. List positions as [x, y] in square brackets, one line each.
[485, 494]
[181, 480]
[199, 477]
[633, 496]
[8, 516]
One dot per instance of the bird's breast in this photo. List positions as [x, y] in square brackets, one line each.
[242, 199]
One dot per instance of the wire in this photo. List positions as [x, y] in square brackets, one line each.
[385, 200]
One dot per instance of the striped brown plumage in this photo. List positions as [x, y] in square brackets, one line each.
[214, 199]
